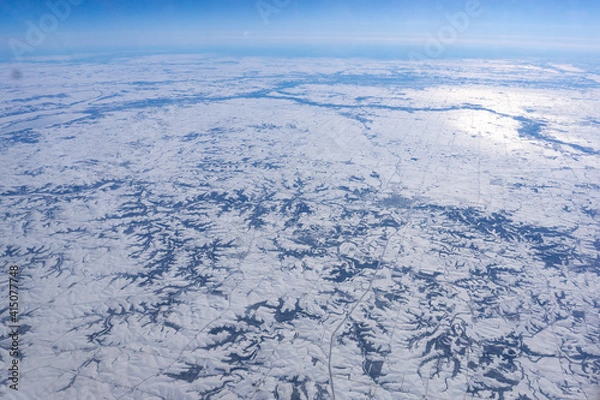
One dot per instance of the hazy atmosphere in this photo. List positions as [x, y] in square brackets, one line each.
[286, 27]
[300, 200]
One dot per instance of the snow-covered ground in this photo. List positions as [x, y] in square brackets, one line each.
[205, 227]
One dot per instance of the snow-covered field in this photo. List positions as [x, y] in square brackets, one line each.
[195, 227]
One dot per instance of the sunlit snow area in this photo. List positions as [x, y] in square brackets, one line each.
[195, 227]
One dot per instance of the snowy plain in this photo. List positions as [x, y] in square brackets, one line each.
[220, 228]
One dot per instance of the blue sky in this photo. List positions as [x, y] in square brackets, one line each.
[396, 27]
